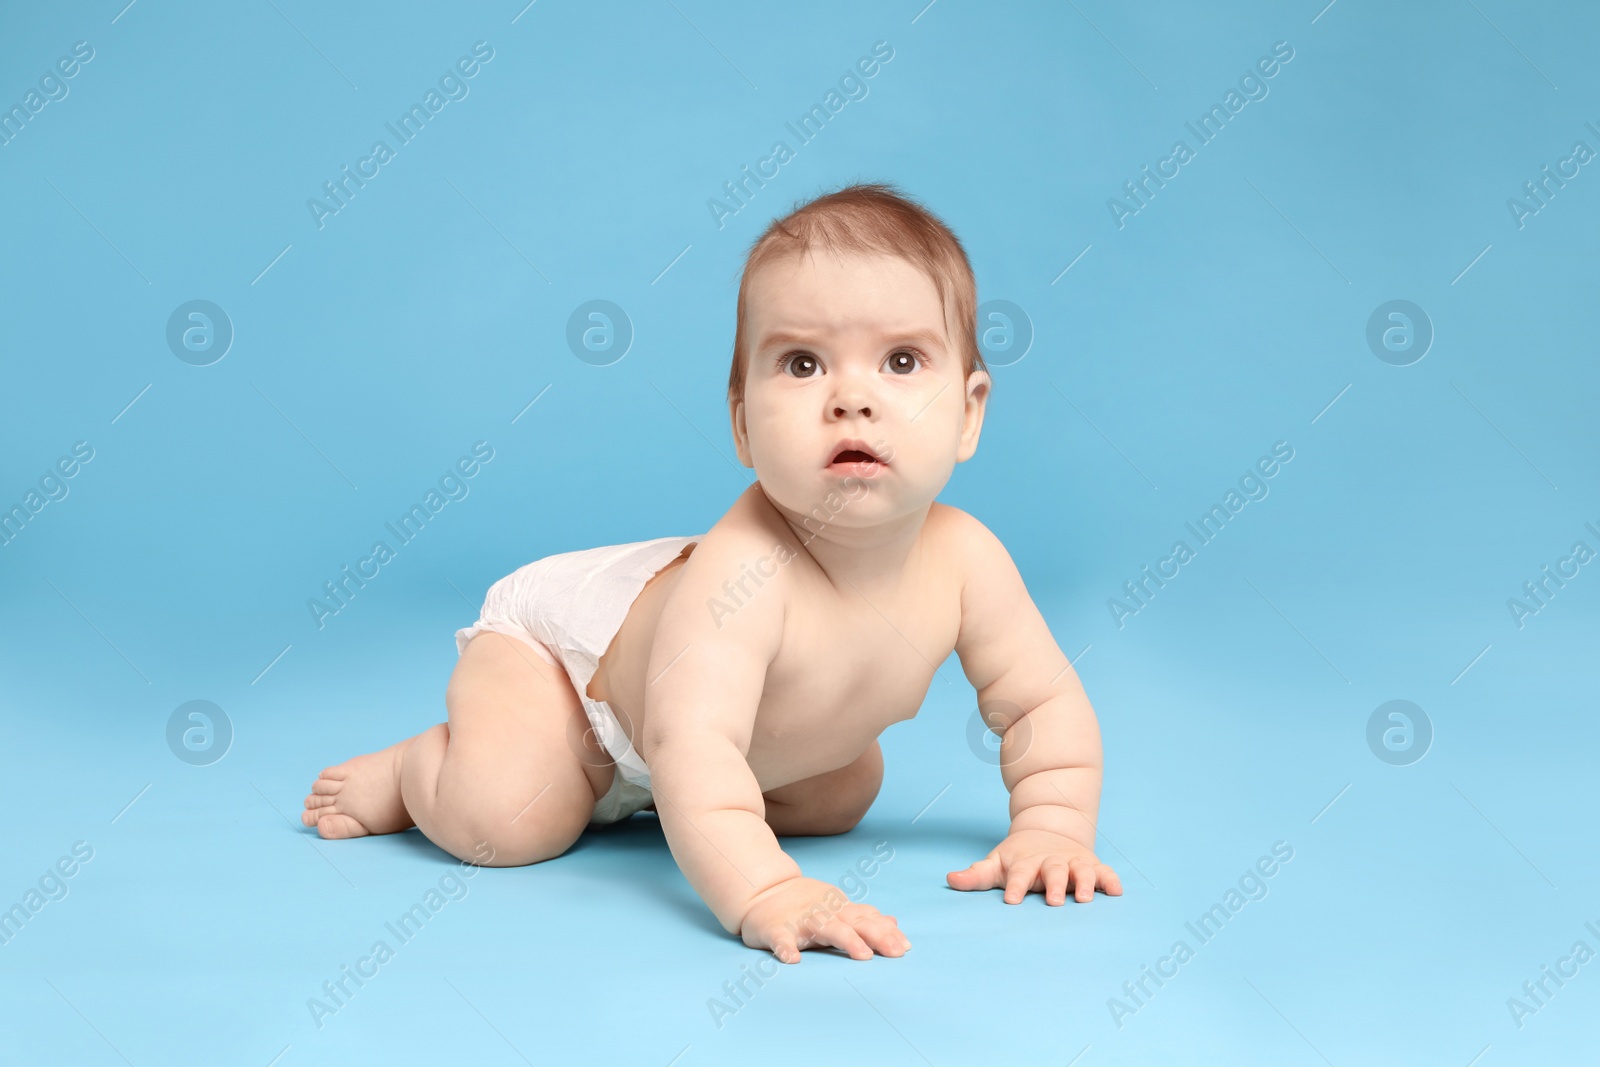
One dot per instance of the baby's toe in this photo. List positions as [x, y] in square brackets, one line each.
[327, 786]
[338, 826]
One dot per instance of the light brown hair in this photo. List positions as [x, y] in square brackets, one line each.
[868, 219]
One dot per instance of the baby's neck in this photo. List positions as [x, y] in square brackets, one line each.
[865, 557]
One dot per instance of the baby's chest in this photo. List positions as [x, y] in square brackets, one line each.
[845, 677]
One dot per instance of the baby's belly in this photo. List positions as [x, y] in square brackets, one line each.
[778, 766]
[800, 734]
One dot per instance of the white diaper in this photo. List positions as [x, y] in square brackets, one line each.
[567, 608]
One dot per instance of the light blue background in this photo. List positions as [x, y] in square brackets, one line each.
[1223, 317]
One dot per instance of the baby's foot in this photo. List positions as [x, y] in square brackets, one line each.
[360, 796]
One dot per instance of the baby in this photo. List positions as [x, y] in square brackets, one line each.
[736, 683]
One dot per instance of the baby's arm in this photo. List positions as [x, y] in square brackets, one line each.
[1050, 755]
[703, 686]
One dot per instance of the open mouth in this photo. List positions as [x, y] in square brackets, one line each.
[856, 457]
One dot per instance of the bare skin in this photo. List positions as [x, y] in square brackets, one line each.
[362, 795]
[756, 673]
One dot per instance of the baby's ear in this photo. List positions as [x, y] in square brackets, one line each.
[741, 436]
[978, 383]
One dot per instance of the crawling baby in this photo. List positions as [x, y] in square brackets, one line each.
[736, 683]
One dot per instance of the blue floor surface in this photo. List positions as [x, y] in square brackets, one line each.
[1385, 261]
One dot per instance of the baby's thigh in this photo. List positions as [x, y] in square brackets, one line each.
[522, 769]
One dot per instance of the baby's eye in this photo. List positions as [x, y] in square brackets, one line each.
[805, 362]
[903, 362]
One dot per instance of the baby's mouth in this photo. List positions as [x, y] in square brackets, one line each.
[861, 462]
[858, 458]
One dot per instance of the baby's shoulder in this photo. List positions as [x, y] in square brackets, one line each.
[968, 550]
[751, 527]
[746, 548]
[737, 569]
[956, 533]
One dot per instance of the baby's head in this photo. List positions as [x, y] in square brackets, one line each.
[857, 325]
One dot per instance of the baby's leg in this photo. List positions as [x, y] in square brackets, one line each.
[831, 803]
[511, 779]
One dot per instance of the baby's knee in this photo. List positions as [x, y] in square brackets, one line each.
[836, 823]
[512, 832]
[485, 844]
[513, 852]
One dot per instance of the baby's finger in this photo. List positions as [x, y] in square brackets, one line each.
[1056, 874]
[985, 874]
[1083, 875]
[882, 934]
[785, 948]
[1020, 879]
[1109, 881]
[842, 935]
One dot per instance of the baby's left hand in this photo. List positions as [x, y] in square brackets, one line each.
[1031, 861]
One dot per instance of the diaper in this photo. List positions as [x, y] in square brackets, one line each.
[622, 800]
[567, 608]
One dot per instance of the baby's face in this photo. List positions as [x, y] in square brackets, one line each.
[846, 348]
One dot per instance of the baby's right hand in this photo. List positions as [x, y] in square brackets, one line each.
[807, 913]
